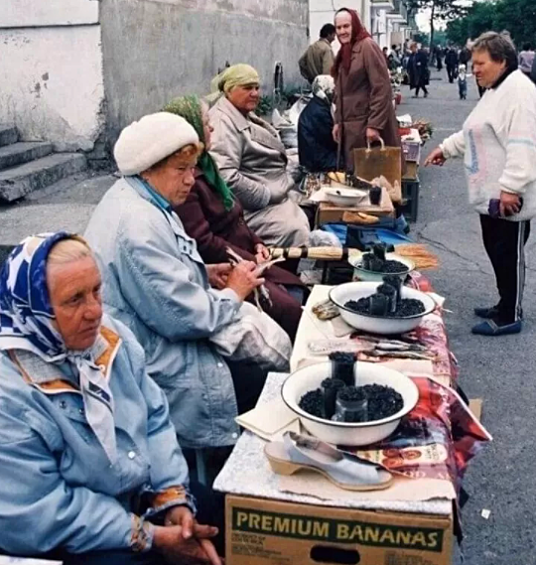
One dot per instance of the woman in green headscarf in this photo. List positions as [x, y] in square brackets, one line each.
[215, 219]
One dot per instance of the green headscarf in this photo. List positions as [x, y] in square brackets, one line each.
[189, 107]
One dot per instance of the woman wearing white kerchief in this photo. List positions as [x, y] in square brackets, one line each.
[316, 146]
[87, 451]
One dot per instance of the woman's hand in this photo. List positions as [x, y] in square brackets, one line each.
[510, 204]
[218, 275]
[171, 541]
[261, 253]
[337, 133]
[243, 279]
[372, 135]
[436, 157]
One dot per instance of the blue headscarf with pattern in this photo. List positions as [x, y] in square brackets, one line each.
[27, 323]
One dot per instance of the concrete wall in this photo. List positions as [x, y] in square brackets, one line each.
[157, 49]
[51, 83]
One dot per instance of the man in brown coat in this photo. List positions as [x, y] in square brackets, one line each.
[318, 59]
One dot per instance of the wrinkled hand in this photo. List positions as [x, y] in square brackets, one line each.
[372, 135]
[436, 157]
[181, 516]
[219, 274]
[510, 204]
[171, 541]
[261, 253]
[243, 279]
[337, 133]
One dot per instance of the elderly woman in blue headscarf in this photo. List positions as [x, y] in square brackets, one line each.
[90, 460]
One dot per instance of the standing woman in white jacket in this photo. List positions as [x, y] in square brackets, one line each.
[498, 144]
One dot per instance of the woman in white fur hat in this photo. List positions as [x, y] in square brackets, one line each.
[156, 283]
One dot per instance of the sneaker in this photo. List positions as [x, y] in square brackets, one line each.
[495, 328]
[487, 313]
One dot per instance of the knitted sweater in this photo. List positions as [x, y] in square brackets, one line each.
[498, 143]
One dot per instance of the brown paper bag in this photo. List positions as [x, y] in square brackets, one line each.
[373, 162]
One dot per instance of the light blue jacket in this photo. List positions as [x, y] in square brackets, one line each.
[57, 487]
[156, 283]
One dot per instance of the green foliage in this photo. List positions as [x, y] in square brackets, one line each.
[516, 16]
[440, 10]
[265, 107]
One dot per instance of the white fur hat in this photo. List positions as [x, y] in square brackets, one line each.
[156, 136]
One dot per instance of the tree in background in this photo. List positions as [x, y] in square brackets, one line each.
[440, 10]
[516, 16]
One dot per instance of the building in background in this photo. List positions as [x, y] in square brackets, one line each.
[75, 72]
[388, 21]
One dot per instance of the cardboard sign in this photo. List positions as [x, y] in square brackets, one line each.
[268, 532]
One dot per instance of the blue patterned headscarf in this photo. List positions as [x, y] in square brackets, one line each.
[25, 312]
[26, 323]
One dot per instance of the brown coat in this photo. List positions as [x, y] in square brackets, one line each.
[214, 229]
[363, 98]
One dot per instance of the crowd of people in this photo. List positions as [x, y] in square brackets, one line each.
[122, 351]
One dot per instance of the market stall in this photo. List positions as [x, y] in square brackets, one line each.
[279, 515]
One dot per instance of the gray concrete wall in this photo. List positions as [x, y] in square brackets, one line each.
[156, 49]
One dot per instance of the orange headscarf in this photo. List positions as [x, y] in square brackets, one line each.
[344, 56]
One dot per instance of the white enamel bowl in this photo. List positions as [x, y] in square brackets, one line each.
[371, 276]
[343, 433]
[345, 197]
[341, 294]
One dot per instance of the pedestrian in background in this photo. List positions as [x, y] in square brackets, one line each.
[318, 59]
[498, 144]
[451, 61]
[526, 59]
[419, 73]
[462, 82]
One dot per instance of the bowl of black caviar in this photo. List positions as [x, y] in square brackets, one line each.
[387, 308]
[348, 402]
[377, 263]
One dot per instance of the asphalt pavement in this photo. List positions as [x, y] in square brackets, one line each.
[499, 370]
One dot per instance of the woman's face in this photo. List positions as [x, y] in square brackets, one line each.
[245, 98]
[75, 296]
[343, 27]
[173, 178]
[207, 128]
[487, 71]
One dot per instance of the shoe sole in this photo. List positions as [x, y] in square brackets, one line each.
[287, 468]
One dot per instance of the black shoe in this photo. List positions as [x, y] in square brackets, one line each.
[487, 313]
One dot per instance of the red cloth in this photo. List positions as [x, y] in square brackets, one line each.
[344, 56]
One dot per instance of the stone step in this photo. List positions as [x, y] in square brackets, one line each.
[19, 181]
[8, 135]
[22, 152]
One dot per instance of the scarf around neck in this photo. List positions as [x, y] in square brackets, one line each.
[27, 323]
[189, 107]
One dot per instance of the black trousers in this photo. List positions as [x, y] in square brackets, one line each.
[424, 89]
[451, 72]
[505, 245]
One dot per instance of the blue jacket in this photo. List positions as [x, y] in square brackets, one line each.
[155, 282]
[57, 487]
[316, 146]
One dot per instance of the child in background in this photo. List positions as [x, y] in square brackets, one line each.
[462, 81]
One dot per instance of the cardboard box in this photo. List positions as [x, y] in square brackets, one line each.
[270, 532]
[329, 213]
[412, 171]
